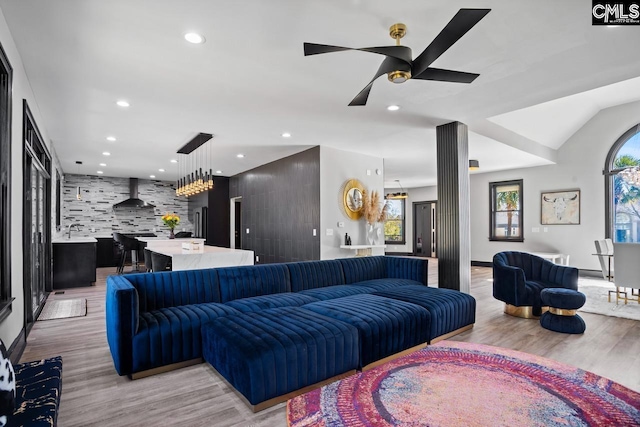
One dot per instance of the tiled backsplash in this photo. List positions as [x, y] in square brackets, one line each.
[96, 215]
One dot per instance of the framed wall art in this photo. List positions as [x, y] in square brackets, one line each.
[560, 207]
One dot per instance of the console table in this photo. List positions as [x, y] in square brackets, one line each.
[362, 250]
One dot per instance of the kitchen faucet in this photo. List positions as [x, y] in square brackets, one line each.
[73, 225]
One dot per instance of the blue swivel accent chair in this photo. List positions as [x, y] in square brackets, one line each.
[519, 277]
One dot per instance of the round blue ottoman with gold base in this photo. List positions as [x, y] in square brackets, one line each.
[563, 304]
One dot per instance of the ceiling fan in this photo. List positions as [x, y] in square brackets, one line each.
[398, 65]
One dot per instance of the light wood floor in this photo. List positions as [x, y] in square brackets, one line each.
[93, 394]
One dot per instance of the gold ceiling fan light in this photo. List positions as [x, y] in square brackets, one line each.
[399, 76]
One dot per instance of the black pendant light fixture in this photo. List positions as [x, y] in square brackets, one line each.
[193, 164]
[398, 195]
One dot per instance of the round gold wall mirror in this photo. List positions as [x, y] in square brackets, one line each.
[352, 198]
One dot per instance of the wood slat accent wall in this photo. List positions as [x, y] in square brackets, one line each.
[281, 207]
[453, 208]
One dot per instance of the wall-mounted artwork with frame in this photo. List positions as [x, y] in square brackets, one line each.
[560, 207]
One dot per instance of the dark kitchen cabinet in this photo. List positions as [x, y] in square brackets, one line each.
[74, 264]
[107, 252]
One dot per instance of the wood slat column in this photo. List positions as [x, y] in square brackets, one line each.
[453, 223]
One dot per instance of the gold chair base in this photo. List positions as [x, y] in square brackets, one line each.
[562, 311]
[524, 311]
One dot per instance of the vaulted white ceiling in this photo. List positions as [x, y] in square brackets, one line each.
[250, 82]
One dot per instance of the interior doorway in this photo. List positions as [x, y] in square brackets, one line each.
[424, 229]
[236, 222]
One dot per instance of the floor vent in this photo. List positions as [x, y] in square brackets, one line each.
[58, 292]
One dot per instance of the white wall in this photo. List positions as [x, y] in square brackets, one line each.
[10, 327]
[420, 194]
[580, 164]
[336, 167]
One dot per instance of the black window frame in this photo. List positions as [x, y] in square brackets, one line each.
[6, 84]
[403, 220]
[493, 211]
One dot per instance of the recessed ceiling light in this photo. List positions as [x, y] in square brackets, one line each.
[122, 103]
[160, 170]
[286, 135]
[106, 153]
[152, 176]
[111, 138]
[194, 38]
[393, 107]
[218, 171]
[240, 156]
[103, 164]
[100, 172]
[173, 161]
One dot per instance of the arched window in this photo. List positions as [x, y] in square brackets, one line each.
[622, 188]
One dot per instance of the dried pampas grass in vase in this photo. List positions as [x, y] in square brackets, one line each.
[375, 213]
[372, 209]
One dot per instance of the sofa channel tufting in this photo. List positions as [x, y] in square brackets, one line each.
[274, 329]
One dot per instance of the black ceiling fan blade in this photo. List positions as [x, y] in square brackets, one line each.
[399, 52]
[388, 65]
[316, 49]
[441, 75]
[459, 25]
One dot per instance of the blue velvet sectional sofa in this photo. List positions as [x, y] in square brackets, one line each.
[277, 328]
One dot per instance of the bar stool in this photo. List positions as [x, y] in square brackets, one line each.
[119, 241]
[160, 262]
[125, 244]
[147, 260]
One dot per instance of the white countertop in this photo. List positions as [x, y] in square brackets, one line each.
[361, 246]
[167, 240]
[176, 250]
[74, 240]
[205, 257]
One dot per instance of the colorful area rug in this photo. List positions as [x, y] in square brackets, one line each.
[462, 384]
[63, 308]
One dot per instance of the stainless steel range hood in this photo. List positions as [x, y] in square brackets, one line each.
[133, 202]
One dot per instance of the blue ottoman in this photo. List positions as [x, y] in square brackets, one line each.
[267, 354]
[385, 326]
[563, 304]
[451, 311]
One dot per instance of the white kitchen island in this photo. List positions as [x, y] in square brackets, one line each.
[157, 242]
[206, 257]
